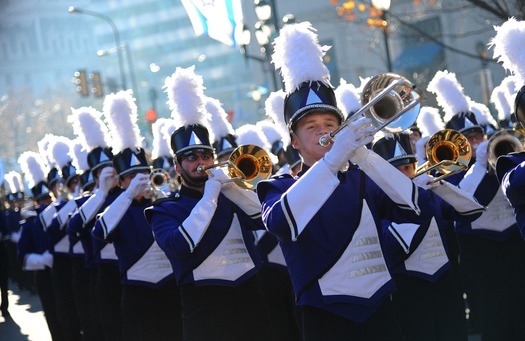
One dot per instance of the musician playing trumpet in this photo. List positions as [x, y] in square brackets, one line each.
[327, 218]
[206, 230]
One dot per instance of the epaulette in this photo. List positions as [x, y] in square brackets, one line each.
[174, 197]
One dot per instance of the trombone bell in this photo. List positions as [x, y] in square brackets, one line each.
[248, 164]
[448, 151]
[502, 143]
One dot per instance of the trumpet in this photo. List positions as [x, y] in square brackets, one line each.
[159, 178]
[248, 164]
[502, 143]
[386, 97]
[447, 151]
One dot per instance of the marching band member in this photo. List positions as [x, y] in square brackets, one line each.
[95, 276]
[150, 300]
[327, 221]
[428, 301]
[34, 245]
[204, 230]
[222, 135]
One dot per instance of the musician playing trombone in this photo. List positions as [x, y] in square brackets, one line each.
[206, 231]
[327, 218]
[427, 302]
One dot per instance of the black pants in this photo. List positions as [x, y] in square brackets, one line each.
[64, 299]
[108, 291]
[82, 296]
[430, 311]
[151, 314]
[4, 276]
[321, 325]
[44, 287]
[215, 312]
[494, 274]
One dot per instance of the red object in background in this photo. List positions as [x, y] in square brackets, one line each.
[151, 115]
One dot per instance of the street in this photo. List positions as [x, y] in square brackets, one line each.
[27, 320]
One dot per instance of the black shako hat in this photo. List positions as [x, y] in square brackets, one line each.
[519, 107]
[310, 97]
[68, 172]
[162, 162]
[464, 122]
[99, 157]
[130, 161]
[225, 145]
[40, 190]
[52, 177]
[190, 139]
[396, 149]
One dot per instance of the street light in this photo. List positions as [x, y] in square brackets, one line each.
[116, 36]
[384, 6]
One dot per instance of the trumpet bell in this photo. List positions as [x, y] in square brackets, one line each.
[395, 101]
[504, 142]
[159, 178]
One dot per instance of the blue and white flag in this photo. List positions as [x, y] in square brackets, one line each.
[219, 19]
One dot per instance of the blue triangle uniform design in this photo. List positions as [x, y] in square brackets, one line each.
[312, 98]
[468, 123]
[103, 157]
[399, 150]
[194, 139]
[134, 161]
[226, 144]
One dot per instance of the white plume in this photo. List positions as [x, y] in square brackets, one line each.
[218, 119]
[14, 182]
[161, 144]
[60, 149]
[88, 126]
[185, 91]
[121, 116]
[79, 155]
[363, 81]
[274, 107]
[44, 150]
[511, 89]
[168, 129]
[429, 121]
[482, 113]
[34, 168]
[250, 134]
[347, 97]
[299, 56]
[501, 103]
[449, 93]
[509, 47]
[269, 130]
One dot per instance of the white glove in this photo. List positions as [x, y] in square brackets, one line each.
[424, 180]
[420, 150]
[15, 237]
[106, 179]
[481, 154]
[219, 175]
[212, 188]
[139, 184]
[47, 259]
[357, 134]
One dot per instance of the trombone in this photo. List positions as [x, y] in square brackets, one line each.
[385, 97]
[504, 142]
[448, 151]
[248, 164]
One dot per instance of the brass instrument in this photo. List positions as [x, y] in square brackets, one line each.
[502, 143]
[248, 164]
[159, 178]
[390, 100]
[448, 151]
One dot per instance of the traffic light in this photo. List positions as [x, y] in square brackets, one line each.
[96, 83]
[81, 82]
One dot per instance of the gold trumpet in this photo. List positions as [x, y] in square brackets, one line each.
[448, 151]
[504, 142]
[385, 98]
[248, 164]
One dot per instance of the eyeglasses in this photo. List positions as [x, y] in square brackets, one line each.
[195, 157]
